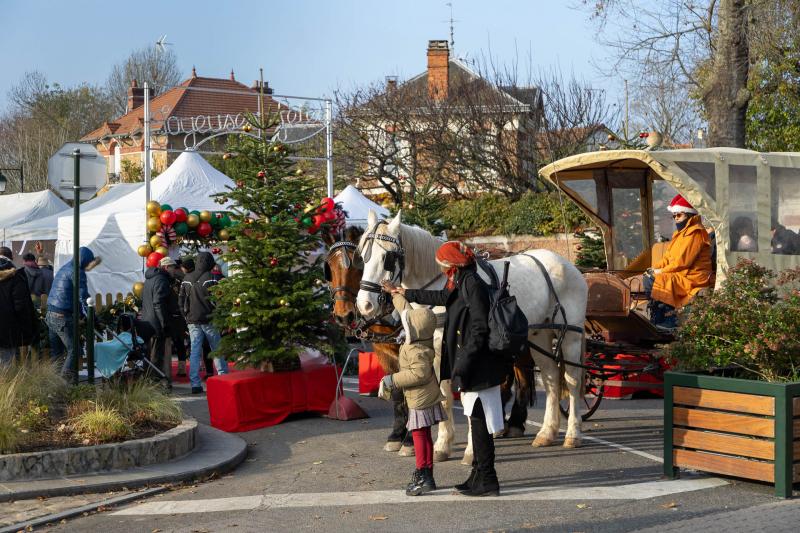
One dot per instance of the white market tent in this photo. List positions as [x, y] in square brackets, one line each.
[18, 209]
[115, 230]
[357, 206]
[46, 228]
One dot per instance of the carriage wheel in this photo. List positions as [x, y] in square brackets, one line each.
[592, 396]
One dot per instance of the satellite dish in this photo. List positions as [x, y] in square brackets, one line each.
[61, 170]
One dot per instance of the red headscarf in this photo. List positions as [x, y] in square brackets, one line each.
[453, 255]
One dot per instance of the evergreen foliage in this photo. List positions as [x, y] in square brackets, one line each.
[591, 250]
[271, 305]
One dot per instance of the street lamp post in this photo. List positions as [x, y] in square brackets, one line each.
[4, 180]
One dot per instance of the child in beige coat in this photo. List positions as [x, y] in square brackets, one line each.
[417, 380]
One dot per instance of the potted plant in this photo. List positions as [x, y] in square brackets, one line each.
[735, 409]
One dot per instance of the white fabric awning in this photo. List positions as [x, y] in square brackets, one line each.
[357, 206]
[21, 208]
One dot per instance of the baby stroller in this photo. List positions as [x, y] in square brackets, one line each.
[126, 354]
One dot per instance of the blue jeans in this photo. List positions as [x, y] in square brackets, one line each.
[198, 332]
[60, 327]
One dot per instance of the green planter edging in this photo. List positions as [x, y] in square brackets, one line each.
[784, 395]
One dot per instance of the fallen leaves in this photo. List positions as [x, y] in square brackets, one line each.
[582, 506]
[670, 505]
[379, 517]
[317, 463]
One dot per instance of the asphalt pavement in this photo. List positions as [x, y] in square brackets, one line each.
[316, 474]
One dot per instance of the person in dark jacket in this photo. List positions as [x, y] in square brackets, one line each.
[187, 267]
[59, 317]
[17, 316]
[195, 302]
[40, 280]
[466, 359]
[159, 309]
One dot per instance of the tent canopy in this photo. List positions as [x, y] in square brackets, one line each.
[17, 209]
[114, 230]
[44, 229]
[357, 206]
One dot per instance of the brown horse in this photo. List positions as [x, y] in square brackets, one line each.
[343, 269]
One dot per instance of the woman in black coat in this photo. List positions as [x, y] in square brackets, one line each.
[474, 371]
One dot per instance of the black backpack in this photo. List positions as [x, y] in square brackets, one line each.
[508, 325]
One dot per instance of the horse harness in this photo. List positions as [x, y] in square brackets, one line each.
[348, 263]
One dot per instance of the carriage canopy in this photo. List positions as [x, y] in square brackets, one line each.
[750, 199]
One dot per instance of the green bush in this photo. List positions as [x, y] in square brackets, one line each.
[140, 401]
[749, 325]
[533, 214]
[34, 416]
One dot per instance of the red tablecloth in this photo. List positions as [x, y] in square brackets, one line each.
[370, 373]
[251, 399]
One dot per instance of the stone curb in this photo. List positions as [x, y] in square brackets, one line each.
[160, 448]
[216, 452]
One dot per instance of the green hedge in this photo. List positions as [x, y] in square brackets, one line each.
[532, 214]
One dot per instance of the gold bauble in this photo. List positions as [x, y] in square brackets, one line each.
[144, 250]
[153, 224]
[224, 235]
[226, 156]
[299, 172]
[138, 287]
[155, 242]
[247, 128]
[192, 221]
[153, 208]
[205, 216]
[163, 250]
[282, 302]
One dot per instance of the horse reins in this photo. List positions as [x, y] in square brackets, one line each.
[341, 245]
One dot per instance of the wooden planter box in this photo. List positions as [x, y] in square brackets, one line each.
[736, 427]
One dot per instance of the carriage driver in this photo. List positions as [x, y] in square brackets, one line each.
[685, 268]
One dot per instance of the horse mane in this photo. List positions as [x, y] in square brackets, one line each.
[420, 248]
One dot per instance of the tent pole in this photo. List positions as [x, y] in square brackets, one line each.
[146, 142]
[329, 146]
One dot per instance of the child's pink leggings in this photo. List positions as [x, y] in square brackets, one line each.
[423, 447]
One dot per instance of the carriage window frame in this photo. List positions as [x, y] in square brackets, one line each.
[786, 236]
[702, 173]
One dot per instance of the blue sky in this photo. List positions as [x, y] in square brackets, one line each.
[306, 47]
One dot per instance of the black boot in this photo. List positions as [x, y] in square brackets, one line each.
[467, 485]
[485, 484]
[425, 483]
[416, 477]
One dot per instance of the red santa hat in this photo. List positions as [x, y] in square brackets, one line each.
[680, 205]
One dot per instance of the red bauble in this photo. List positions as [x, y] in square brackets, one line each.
[329, 216]
[181, 215]
[153, 259]
[262, 174]
[168, 217]
[327, 204]
[273, 262]
[204, 229]
[216, 251]
[317, 221]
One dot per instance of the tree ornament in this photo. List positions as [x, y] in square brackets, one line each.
[153, 208]
[155, 241]
[168, 217]
[273, 262]
[307, 222]
[286, 304]
[138, 288]
[153, 224]
[181, 214]
[299, 172]
[204, 229]
[216, 251]
[247, 128]
[224, 234]
[226, 156]
[166, 207]
[163, 250]
[262, 174]
[153, 259]
[277, 148]
[318, 282]
[240, 184]
[181, 228]
[144, 250]
[205, 216]
[192, 221]
[327, 205]
[282, 302]
[237, 302]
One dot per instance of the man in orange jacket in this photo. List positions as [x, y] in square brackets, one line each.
[685, 268]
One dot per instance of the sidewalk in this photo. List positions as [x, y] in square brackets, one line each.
[215, 452]
[773, 517]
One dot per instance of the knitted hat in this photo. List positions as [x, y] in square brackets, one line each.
[42, 261]
[166, 261]
[680, 205]
[454, 254]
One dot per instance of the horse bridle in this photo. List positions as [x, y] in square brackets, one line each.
[348, 263]
[391, 261]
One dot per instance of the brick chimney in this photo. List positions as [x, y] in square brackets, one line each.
[135, 96]
[438, 71]
[257, 86]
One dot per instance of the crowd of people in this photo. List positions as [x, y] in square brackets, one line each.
[36, 304]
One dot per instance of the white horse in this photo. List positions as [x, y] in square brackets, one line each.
[418, 268]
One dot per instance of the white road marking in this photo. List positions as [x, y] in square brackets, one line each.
[633, 491]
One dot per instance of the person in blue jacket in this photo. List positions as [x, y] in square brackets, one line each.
[59, 317]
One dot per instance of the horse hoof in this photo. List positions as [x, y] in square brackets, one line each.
[467, 460]
[514, 432]
[392, 446]
[572, 442]
[406, 451]
[541, 442]
[440, 457]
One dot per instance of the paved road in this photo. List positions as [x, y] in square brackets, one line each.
[314, 474]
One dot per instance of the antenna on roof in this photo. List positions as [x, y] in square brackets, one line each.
[452, 29]
[162, 43]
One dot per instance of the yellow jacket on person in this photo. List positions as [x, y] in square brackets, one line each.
[686, 265]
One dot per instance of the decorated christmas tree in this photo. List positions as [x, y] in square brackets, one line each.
[591, 251]
[272, 305]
